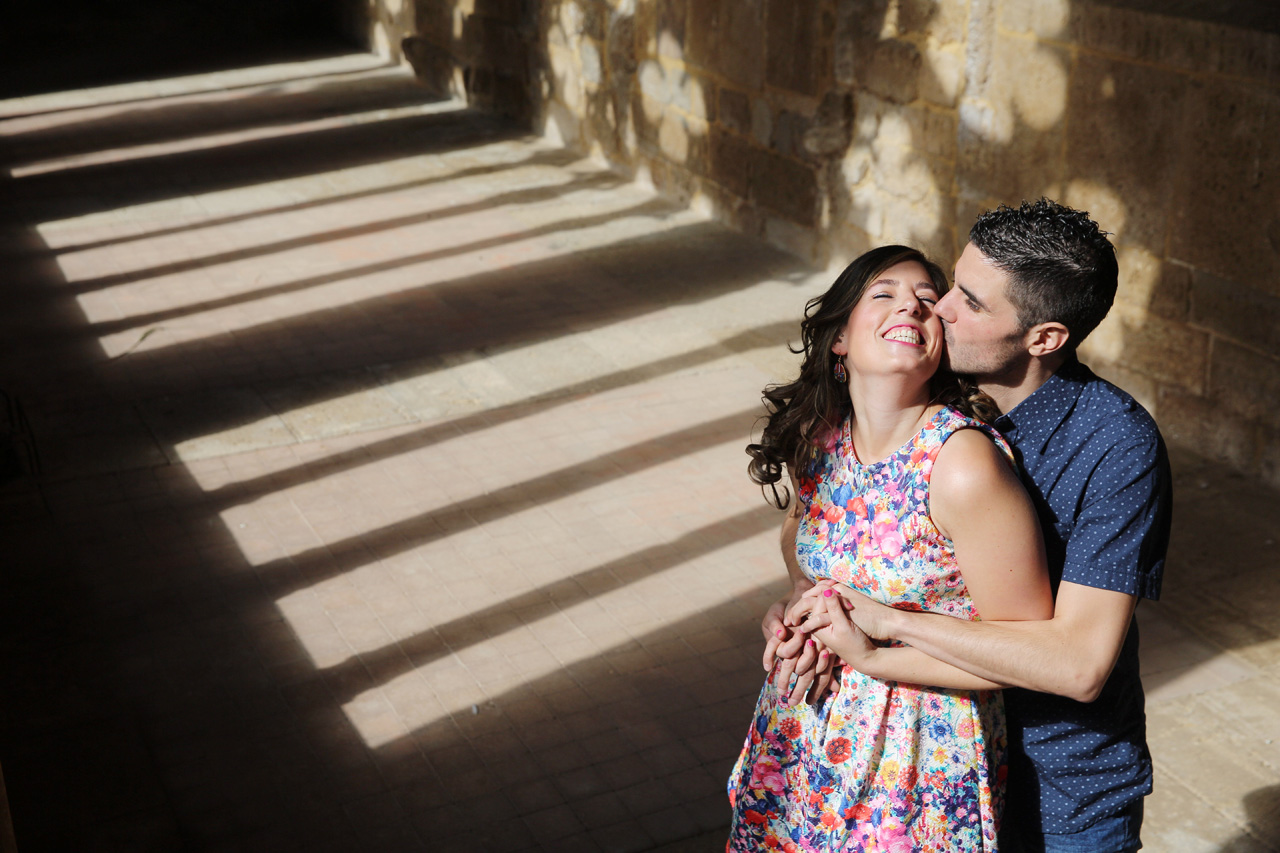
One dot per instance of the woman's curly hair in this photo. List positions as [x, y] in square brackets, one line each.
[803, 413]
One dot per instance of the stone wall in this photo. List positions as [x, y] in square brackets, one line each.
[829, 126]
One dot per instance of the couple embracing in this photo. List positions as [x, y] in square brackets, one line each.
[969, 509]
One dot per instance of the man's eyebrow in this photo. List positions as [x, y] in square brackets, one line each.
[969, 295]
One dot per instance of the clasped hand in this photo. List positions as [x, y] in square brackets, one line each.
[823, 614]
[805, 665]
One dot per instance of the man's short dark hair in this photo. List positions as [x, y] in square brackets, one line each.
[1061, 265]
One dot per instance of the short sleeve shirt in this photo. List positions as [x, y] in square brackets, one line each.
[1098, 473]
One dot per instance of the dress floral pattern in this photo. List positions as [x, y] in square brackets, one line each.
[876, 766]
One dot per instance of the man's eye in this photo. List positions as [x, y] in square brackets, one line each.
[973, 306]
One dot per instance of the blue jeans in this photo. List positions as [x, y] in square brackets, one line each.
[1118, 833]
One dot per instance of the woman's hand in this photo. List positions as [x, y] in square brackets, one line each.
[828, 622]
[805, 667]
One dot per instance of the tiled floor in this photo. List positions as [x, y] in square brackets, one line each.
[392, 493]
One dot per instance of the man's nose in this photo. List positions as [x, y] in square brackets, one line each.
[944, 307]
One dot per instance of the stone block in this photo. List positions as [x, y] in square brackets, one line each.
[789, 129]
[730, 162]
[1123, 133]
[924, 224]
[864, 209]
[620, 45]
[762, 122]
[933, 131]
[1171, 297]
[656, 83]
[891, 70]
[848, 242]
[1198, 424]
[434, 20]
[858, 25]
[726, 37]
[1227, 181]
[592, 68]
[740, 50]
[595, 18]
[702, 28]
[1235, 311]
[1269, 458]
[942, 75]
[945, 21]
[1009, 142]
[1175, 42]
[669, 23]
[1046, 19]
[1171, 353]
[1139, 269]
[735, 110]
[979, 56]
[832, 127]
[785, 187]
[431, 64]
[1246, 383]
[682, 139]
[798, 240]
[793, 37]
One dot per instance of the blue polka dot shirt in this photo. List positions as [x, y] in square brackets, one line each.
[1096, 467]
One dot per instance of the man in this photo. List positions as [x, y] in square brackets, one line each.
[1030, 285]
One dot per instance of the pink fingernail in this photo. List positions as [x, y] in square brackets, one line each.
[827, 593]
[825, 653]
[781, 633]
[809, 643]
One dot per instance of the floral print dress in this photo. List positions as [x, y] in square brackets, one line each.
[877, 765]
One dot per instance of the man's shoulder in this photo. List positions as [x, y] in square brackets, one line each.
[1107, 413]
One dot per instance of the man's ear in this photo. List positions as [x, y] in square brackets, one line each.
[1046, 338]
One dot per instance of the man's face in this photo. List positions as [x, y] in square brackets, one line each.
[984, 337]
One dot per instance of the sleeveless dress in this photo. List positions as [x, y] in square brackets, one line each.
[877, 765]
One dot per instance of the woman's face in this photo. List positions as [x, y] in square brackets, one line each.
[893, 328]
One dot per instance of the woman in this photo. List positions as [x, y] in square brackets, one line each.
[905, 498]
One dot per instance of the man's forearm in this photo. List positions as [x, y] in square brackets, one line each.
[1050, 656]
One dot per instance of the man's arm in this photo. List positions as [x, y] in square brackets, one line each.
[1117, 540]
[1071, 654]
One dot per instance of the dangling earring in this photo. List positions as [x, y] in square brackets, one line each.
[842, 376]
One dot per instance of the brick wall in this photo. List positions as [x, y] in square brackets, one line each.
[829, 126]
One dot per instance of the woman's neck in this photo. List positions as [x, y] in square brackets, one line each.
[887, 412]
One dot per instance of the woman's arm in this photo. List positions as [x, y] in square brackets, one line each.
[977, 501]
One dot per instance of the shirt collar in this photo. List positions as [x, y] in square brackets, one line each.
[1032, 422]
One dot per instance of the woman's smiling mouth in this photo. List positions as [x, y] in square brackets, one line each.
[904, 335]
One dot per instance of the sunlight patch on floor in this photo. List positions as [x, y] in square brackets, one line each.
[217, 140]
[259, 75]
